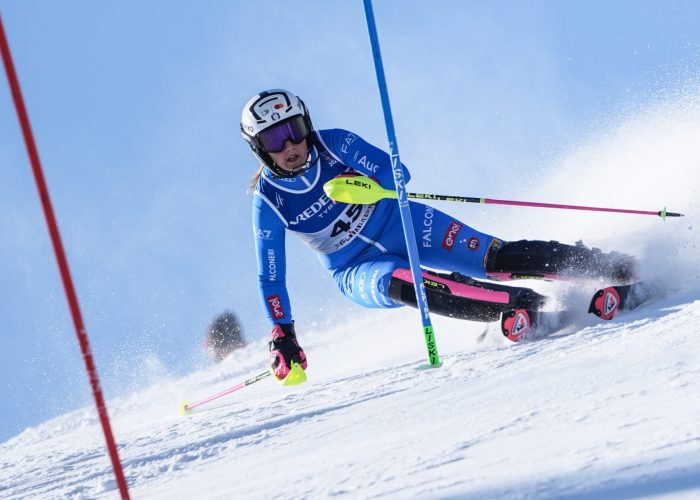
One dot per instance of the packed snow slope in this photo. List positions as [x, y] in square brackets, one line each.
[599, 410]
[609, 410]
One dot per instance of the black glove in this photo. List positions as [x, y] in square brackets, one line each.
[284, 349]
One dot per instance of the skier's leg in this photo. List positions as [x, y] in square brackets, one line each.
[386, 281]
[447, 243]
[553, 260]
[461, 297]
[367, 283]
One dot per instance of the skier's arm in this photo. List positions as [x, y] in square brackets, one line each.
[269, 228]
[269, 234]
[353, 151]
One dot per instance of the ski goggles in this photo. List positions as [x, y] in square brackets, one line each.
[293, 129]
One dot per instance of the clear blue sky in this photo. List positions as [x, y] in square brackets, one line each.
[135, 108]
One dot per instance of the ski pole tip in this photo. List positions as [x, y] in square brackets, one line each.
[185, 408]
[663, 214]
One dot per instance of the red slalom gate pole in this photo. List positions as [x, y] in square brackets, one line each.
[62, 261]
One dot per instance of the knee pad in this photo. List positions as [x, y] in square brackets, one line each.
[461, 297]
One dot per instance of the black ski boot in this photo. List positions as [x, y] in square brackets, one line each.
[461, 297]
[553, 260]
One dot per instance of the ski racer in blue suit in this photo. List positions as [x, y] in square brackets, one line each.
[363, 246]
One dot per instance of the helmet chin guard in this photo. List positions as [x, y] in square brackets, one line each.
[268, 109]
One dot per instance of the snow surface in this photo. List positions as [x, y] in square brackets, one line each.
[600, 410]
[610, 410]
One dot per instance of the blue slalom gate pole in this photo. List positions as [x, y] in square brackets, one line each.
[406, 222]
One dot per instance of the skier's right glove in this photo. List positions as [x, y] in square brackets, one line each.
[284, 349]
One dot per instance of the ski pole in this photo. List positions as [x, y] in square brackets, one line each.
[364, 190]
[400, 192]
[186, 407]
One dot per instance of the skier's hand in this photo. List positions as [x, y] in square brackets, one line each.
[284, 349]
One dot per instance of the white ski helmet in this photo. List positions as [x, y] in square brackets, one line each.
[271, 118]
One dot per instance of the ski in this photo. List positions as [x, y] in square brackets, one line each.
[519, 323]
[605, 303]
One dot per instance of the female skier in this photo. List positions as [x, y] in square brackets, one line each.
[363, 246]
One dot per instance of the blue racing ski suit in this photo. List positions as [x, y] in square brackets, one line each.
[361, 245]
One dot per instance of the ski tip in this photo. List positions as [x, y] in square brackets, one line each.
[605, 303]
[296, 376]
[185, 408]
[517, 324]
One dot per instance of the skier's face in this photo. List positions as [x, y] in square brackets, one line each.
[292, 156]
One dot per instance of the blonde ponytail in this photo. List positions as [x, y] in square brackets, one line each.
[254, 180]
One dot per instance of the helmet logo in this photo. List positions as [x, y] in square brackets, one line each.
[279, 105]
[275, 116]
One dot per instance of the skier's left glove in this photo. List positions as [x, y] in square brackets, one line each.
[284, 349]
